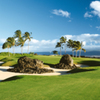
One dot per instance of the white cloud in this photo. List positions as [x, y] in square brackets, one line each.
[84, 43]
[95, 5]
[98, 27]
[87, 15]
[87, 39]
[90, 41]
[34, 41]
[61, 13]
[2, 40]
[43, 45]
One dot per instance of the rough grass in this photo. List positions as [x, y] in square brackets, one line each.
[82, 84]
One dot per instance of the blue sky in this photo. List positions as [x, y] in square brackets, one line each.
[48, 20]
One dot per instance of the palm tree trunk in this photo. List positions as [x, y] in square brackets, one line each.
[65, 48]
[73, 53]
[79, 53]
[76, 53]
[8, 52]
[28, 47]
[60, 50]
[21, 50]
[13, 50]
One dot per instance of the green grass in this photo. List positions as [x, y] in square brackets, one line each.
[82, 84]
[12, 60]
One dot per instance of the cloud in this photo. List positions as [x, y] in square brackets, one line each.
[87, 39]
[34, 46]
[95, 5]
[34, 41]
[98, 27]
[61, 13]
[2, 40]
[90, 41]
[87, 15]
[42, 45]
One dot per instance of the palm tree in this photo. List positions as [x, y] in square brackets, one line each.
[12, 41]
[75, 46]
[18, 34]
[59, 45]
[27, 37]
[6, 45]
[70, 44]
[78, 47]
[63, 40]
[21, 42]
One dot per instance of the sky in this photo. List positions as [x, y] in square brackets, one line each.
[48, 20]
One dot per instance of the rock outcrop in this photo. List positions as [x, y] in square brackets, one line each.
[66, 62]
[28, 65]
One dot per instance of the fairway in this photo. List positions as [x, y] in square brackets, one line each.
[83, 84]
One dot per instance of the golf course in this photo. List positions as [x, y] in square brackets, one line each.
[81, 84]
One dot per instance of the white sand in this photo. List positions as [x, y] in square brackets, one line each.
[4, 74]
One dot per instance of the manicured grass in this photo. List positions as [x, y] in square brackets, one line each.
[49, 60]
[82, 84]
[87, 61]
[79, 86]
[12, 60]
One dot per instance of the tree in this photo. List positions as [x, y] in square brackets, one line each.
[12, 41]
[55, 52]
[59, 45]
[18, 34]
[27, 37]
[20, 39]
[70, 44]
[78, 47]
[21, 42]
[75, 46]
[6, 45]
[63, 40]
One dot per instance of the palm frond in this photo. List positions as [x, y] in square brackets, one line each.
[17, 34]
[6, 45]
[11, 40]
[83, 49]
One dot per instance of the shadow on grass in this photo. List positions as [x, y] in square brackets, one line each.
[6, 59]
[78, 70]
[91, 63]
[51, 65]
[12, 78]
[15, 65]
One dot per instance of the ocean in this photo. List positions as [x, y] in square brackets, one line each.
[86, 54]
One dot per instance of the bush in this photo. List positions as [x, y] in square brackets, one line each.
[5, 53]
[31, 53]
[35, 54]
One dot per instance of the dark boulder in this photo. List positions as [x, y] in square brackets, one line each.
[66, 62]
[28, 65]
[66, 59]
[25, 62]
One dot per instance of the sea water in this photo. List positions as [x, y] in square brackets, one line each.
[86, 54]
